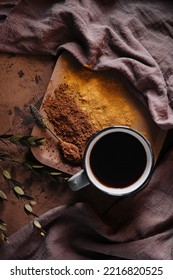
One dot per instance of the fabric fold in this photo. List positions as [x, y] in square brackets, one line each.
[131, 37]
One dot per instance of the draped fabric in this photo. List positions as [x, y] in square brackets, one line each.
[134, 38]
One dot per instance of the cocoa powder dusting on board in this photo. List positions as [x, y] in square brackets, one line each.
[70, 123]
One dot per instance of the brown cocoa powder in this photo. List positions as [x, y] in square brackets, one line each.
[70, 123]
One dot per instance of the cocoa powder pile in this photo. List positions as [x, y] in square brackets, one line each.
[70, 123]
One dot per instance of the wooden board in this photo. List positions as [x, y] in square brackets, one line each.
[106, 100]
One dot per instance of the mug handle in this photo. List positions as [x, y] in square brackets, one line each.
[78, 181]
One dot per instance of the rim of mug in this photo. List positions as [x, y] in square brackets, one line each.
[144, 178]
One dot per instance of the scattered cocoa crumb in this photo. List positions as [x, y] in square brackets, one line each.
[20, 74]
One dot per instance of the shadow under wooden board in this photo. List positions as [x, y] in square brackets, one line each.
[79, 102]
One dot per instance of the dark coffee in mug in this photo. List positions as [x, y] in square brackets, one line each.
[118, 160]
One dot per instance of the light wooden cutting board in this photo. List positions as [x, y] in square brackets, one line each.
[107, 101]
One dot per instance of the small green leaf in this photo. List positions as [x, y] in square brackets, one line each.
[28, 208]
[31, 138]
[32, 202]
[7, 175]
[2, 222]
[37, 141]
[15, 138]
[42, 233]
[37, 166]
[55, 173]
[3, 195]
[3, 237]
[40, 141]
[37, 224]
[18, 191]
[3, 227]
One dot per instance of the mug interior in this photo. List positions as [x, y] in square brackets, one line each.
[132, 187]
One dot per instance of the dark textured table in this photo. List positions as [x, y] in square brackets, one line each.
[23, 80]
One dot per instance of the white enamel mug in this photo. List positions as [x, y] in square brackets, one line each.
[118, 160]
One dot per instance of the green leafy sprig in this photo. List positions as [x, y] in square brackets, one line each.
[16, 186]
[3, 231]
[23, 140]
[52, 173]
[28, 202]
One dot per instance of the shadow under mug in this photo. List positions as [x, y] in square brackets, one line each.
[118, 160]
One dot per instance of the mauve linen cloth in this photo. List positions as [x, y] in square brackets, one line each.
[136, 39]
